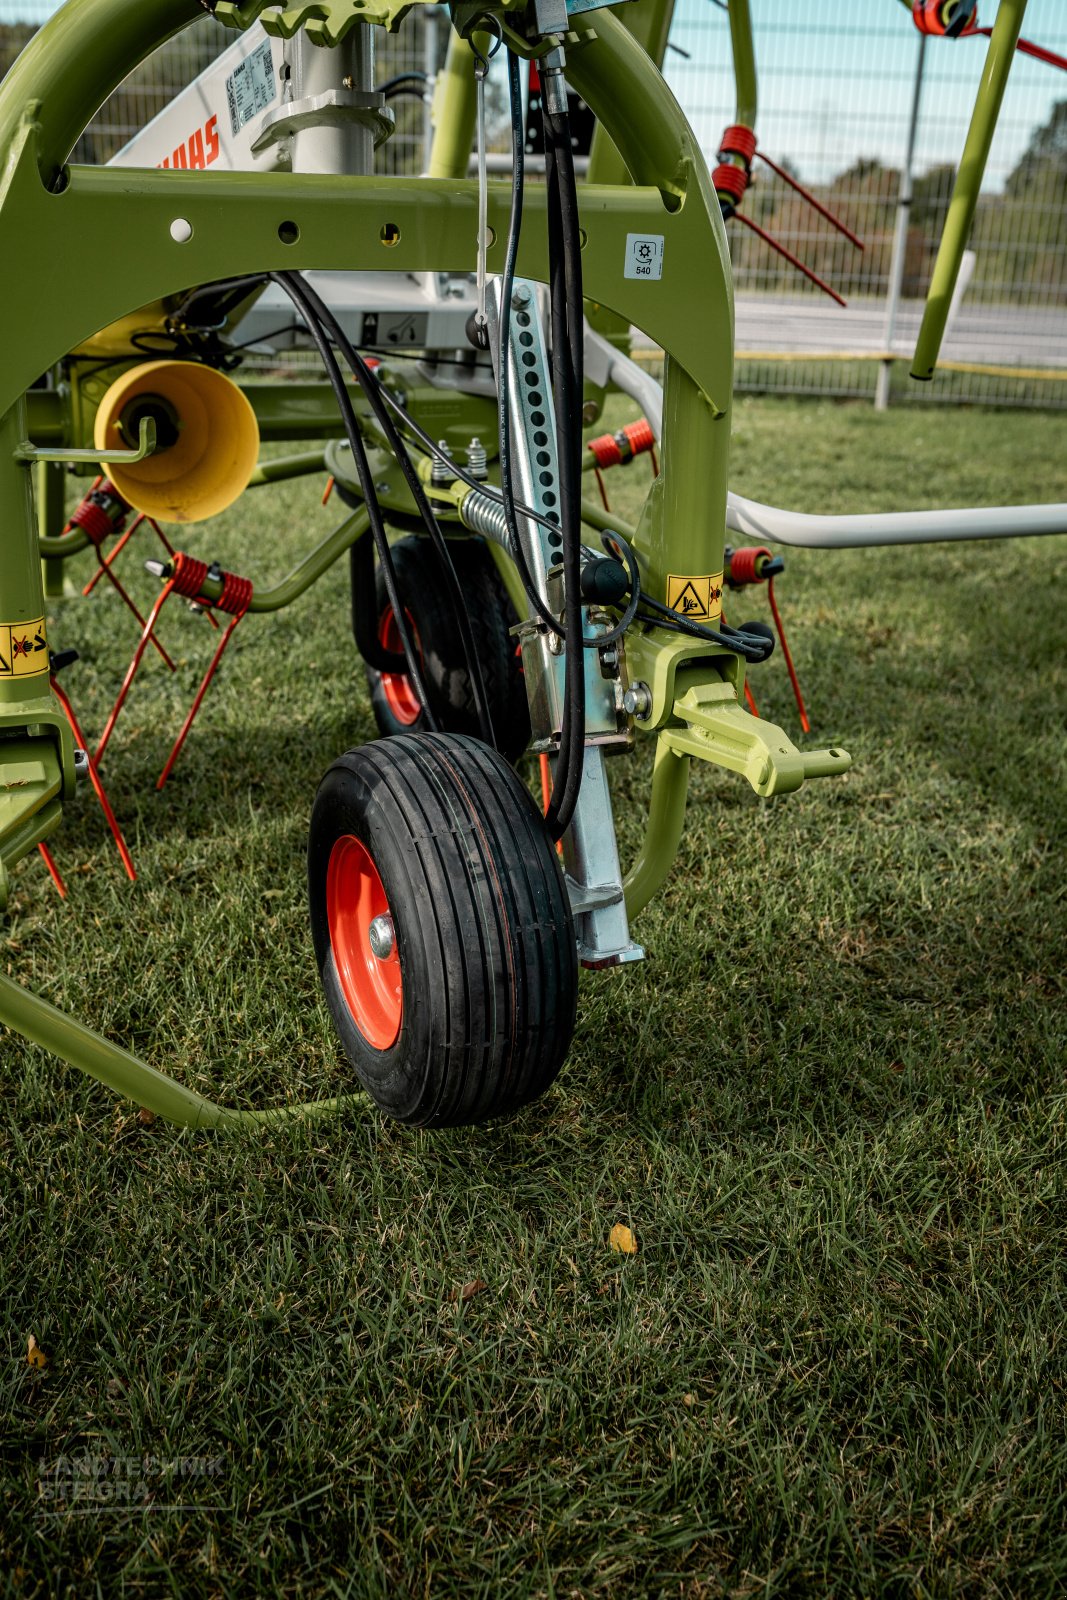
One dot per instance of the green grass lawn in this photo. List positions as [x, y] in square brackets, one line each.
[831, 1105]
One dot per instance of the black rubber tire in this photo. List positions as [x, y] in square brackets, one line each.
[483, 927]
[422, 586]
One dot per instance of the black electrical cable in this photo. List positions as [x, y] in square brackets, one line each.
[265, 338]
[433, 448]
[365, 611]
[507, 290]
[366, 479]
[568, 333]
[401, 78]
[372, 390]
[752, 646]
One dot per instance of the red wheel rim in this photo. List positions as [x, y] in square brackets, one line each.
[397, 687]
[371, 984]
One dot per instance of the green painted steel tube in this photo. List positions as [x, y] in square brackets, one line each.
[280, 469]
[51, 512]
[684, 520]
[85, 51]
[663, 830]
[968, 185]
[126, 1075]
[609, 69]
[455, 108]
[650, 24]
[53, 548]
[744, 54]
[311, 569]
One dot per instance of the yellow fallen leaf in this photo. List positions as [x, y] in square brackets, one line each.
[623, 1240]
[34, 1354]
[467, 1291]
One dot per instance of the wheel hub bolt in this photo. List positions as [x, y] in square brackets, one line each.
[382, 937]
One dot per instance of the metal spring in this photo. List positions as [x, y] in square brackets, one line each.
[482, 514]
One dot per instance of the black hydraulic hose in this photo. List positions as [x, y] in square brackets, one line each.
[568, 329]
[365, 611]
[372, 389]
[294, 289]
[507, 288]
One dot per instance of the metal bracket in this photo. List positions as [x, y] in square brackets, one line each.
[334, 108]
[146, 445]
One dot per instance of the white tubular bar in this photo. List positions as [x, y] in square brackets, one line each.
[771, 523]
[756, 521]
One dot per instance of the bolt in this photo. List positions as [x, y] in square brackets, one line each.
[346, 83]
[590, 412]
[637, 701]
[521, 297]
[81, 764]
[441, 473]
[477, 462]
[382, 937]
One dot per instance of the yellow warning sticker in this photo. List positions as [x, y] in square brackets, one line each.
[698, 598]
[23, 649]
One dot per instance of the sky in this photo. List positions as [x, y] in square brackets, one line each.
[836, 82]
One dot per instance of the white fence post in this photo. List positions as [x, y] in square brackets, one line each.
[900, 236]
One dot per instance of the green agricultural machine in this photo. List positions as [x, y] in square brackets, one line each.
[468, 332]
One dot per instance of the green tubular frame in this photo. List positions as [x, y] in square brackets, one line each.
[45, 102]
[999, 58]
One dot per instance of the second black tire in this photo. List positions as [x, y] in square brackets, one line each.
[421, 581]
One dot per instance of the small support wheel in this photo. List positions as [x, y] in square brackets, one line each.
[429, 613]
[442, 929]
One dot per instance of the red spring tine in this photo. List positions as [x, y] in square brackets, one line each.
[105, 561]
[131, 670]
[600, 485]
[195, 707]
[1025, 47]
[111, 578]
[94, 779]
[813, 277]
[815, 204]
[749, 696]
[804, 723]
[46, 857]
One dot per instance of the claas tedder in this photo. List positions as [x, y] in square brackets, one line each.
[467, 332]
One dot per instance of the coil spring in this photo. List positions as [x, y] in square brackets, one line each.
[482, 514]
